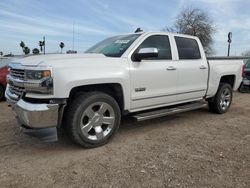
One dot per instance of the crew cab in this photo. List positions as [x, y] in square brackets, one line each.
[145, 75]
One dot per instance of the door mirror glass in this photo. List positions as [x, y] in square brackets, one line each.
[146, 53]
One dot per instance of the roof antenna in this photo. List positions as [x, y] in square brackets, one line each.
[138, 30]
[73, 37]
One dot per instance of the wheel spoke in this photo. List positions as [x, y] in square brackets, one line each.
[89, 112]
[227, 97]
[221, 103]
[103, 108]
[109, 120]
[99, 132]
[87, 128]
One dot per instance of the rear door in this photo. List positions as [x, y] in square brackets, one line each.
[192, 69]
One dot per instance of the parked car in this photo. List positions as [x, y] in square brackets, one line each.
[146, 75]
[245, 85]
[3, 74]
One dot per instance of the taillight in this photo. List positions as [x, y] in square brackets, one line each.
[243, 71]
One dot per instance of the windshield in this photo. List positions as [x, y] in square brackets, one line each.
[114, 46]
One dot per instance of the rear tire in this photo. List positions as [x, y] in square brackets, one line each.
[92, 119]
[1, 93]
[221, 102]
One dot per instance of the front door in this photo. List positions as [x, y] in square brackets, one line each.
[154, 81]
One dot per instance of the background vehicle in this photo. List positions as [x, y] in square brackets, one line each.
[245, 85]
[247, 70]
[3, 74]
[147, 75]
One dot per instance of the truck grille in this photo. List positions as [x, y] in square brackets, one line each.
[14, 87]
[17, 73]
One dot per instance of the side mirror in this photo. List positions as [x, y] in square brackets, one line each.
[146, 53]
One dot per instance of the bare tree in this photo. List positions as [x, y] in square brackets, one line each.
[196, 22]
[246, 53]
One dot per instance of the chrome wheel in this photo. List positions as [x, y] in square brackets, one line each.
[225, 99]
[97, 121]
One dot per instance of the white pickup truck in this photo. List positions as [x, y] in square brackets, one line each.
[146, 75]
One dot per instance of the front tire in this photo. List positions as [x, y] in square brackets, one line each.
[1, 93]
[221, 102]
[92, 119]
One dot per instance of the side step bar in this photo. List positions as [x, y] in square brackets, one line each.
[168, 111]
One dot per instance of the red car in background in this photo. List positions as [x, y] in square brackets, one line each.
[3, 83]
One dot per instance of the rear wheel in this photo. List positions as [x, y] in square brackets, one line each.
[1, 93]
[93, 118]
[222, 100]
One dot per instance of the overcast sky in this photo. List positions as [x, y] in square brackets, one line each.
[30, 20]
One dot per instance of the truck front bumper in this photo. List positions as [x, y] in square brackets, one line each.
[39, 120]
[36, 116]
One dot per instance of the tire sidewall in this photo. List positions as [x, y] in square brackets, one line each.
[1, 93]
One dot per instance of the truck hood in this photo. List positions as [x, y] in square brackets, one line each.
[58, 59]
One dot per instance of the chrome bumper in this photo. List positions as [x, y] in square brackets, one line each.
[36, 116]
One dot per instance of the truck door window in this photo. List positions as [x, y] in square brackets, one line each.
[161, 42]
[187, 48]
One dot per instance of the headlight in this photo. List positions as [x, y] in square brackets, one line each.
[37, 74]
[38, 81]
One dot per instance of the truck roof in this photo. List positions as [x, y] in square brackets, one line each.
[166, 33]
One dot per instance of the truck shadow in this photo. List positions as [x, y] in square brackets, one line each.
[129, 127]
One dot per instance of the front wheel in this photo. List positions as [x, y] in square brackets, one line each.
[222, 100]
[1, 93]
[93, 118]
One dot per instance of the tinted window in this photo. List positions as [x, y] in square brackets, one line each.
[187, 48]
[161, 42]
[114, 46]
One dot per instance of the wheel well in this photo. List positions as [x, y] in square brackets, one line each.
[112, 89]
[230, 79]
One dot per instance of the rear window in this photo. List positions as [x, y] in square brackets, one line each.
[187, 48]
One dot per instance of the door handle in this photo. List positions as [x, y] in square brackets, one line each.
[203, 67]
[171, 68]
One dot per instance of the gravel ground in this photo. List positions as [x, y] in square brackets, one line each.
[194, 149]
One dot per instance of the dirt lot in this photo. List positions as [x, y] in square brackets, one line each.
[194, 149]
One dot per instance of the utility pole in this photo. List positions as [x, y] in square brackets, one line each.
[73, 37]
[44, 45]
[229, 42]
